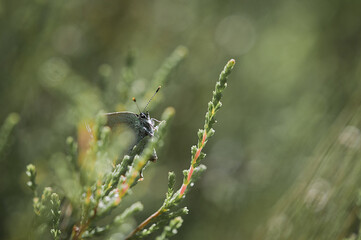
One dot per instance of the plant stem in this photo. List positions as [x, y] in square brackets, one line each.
[213, 107]
[145, 222]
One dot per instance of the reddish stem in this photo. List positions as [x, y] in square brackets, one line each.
[145, 223]
[191, 168]
[190, 173]
[80, 230]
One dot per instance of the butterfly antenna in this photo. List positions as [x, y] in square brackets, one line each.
[152, 98]
[135, 101]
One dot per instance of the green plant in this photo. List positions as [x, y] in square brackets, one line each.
[95, 183]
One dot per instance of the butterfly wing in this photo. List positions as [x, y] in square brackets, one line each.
[116, 118]
[128, 118]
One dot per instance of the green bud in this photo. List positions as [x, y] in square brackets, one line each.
[193, 150]
[210, 133]
[185, 176]
[171, 182]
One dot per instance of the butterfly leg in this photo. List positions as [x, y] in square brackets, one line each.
[156, 120]
[154, 156]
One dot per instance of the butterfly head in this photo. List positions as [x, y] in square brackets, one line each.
[144, 115]
[146, 123]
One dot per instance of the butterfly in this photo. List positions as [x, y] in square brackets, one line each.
[141, 124]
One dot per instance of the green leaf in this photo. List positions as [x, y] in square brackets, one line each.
[171, 183]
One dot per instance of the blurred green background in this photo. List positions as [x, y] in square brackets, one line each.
[297, 68]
